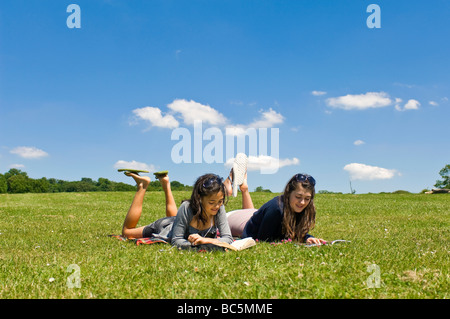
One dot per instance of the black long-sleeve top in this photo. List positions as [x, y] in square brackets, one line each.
[266, 222]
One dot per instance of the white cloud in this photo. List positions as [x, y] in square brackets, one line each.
[360, 101]
[134, 165]
[236, 130]
[191, 111]
[359, 171]
[397, 104]
[433, 103]
[318, 93]
[267, 119]
[265, 162]
[358, 142]
[410, 105]
[155, 117]
[29, 152]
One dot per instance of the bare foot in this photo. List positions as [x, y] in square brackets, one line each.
[141, 181]
[164, 180]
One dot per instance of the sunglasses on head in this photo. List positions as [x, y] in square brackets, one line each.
[214, 179]
[305, 177]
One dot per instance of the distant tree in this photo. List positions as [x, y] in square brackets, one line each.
[85, 185]
[122, 187]
[400, 191]
[3, 184]
[261, 189]
[155, 186]
[16, 181]
[55, 185]
[104, 185]
[68, 187]
[445, 174]
[18, 184]
[39, 185]
[14, 172]
[176, 185]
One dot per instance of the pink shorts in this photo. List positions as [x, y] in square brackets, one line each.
[237, 219]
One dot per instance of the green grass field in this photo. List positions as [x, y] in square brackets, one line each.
[399, 249]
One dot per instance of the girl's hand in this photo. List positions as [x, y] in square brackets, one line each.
[317, 241]
[196, 239]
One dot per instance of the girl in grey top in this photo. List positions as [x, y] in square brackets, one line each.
[194, 225]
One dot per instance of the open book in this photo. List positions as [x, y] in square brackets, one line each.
[238, 244]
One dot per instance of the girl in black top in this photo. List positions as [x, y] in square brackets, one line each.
[288, 216]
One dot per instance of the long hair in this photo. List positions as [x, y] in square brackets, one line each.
[205, 185]
[296, 225]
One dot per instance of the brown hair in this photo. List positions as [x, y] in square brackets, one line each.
[296, 225]
[205, 185]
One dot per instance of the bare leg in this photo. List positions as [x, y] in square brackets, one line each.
[227, 183]
[246, 198]
[134, 213]
[171, 207]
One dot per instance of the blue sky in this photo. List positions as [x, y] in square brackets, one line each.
[351, 103]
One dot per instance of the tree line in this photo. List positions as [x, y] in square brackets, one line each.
[16, 181]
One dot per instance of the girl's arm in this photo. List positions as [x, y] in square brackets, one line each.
[196, 240]
[180, 227]
[224, 230]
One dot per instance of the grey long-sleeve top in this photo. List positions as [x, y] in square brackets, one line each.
[181, 228]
